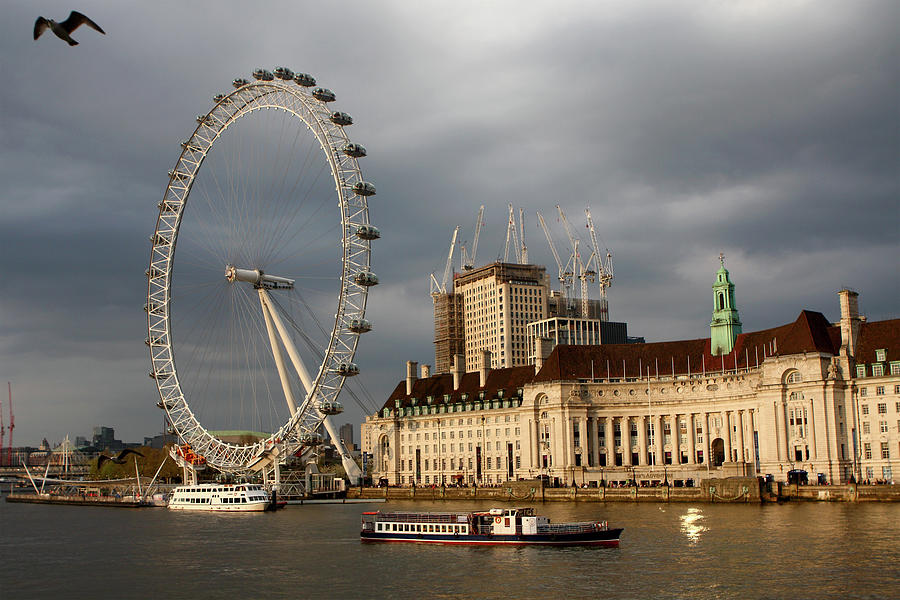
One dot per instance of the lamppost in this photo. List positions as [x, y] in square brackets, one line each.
[602, 480]
[665, 475]
[633, 477]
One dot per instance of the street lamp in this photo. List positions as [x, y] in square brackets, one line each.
[665, 475]
[602, 480]
[633, 477]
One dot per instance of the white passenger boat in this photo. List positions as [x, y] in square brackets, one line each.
[243, 497]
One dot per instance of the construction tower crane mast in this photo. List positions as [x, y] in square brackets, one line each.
[580, 267]
[604, 268]
[12, 425]
[523, 254]
[440, 287]
[565, 276]
[468, 260]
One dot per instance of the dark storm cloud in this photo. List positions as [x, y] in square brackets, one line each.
[765, 130]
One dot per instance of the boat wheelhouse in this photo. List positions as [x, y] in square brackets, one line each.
[243, 497]
[515, 526]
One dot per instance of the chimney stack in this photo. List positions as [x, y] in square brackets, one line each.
[426, 371]
[484, 367]
[411, 367]
[849, 322]
[542, 348]
[458, 369]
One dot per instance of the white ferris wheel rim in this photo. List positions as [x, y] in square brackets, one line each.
[305, 105]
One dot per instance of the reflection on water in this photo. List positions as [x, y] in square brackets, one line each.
[692, 524]
[796, 550]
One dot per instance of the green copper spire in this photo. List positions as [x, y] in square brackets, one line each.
[725, 325]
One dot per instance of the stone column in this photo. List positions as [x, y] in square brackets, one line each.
[595, 451]
[610, 443]
[676, 440]
[660, 437]
[811, 424]
[536, 446]
[726, 422]
[642, 441]
[742, 455]
[585, 446]
[626, 441]
[786, 432]
[707, 441]
[692, 440]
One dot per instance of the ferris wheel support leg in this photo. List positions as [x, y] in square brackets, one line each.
[350, 466]
[276, 352]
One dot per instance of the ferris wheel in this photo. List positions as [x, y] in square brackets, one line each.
[265, 297]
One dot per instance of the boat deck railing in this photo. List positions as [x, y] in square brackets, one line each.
[398, 517]
[582, 527]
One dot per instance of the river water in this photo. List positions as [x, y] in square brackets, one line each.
[813, 550]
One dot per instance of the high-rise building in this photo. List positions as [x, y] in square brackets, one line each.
[346, 434]
[498, 301]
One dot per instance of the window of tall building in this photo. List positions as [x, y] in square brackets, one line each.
[864, 408]
[860, 370]
[895, 368]
[866, 427]
[867, 451]
[883, 426]
[877, 370]
[880, 355]
[882, 408]
[879, 390]
[885, 450]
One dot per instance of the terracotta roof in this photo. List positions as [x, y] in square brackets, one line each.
[509, 380]
[811, 332]
[880, 335]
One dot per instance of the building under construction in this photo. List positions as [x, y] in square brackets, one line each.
[449, 330]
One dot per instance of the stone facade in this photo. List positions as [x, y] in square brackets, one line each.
[808, 395]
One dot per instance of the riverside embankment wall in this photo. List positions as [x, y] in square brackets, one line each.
[730, 490]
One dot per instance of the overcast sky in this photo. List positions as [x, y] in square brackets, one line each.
[764, 130]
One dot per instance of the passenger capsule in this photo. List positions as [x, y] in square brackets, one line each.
[153, 272]
[166, 404]
[284, 73]
[368, 232]
[363, 188]
[263, 75]
[204, 119]
[305, 79]
[366, 278]
[359, 326]
[239, 82]
[171, 430]
[218, 98]
[331, 407]
[354, 150]
[323, 94]
[341, 118]
[347, 369]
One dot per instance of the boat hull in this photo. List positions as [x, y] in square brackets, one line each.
[608, 538]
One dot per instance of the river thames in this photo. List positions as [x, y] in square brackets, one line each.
[799, 550]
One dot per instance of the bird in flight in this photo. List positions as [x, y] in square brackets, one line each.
[62, 30]
[119, 460]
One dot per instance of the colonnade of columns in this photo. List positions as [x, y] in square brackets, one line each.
[643, 440]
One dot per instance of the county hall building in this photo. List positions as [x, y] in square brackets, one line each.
[809, 395]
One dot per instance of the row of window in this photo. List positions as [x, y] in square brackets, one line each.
[421, 528]
[882, 427]
[881, 407]
[879, 390]
[877, 369]
[885, 450]
[453, 464]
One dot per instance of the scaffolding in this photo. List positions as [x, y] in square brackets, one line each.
[449, 332]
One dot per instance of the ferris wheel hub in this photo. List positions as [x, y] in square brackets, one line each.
[258, 278]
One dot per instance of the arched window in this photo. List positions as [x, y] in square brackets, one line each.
[793, 376]
[721, 301]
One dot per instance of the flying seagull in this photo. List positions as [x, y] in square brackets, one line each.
[62, 30]
[119, 460]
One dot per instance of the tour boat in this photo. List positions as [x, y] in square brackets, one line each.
[514, 526]
[243, 497]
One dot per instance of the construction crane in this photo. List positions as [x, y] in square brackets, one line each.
[440, 287]
[565, 276]
[523, 254]
[468, 261]
[580, 267]
[604, 268]
[12, 425]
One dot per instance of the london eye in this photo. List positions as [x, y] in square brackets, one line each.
[256, 284]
